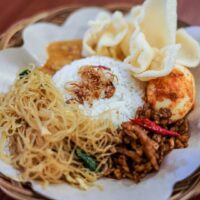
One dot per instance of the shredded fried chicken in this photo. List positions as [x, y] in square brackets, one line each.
[95, 83]
[146, 142]
[130, 154]
[141, 151]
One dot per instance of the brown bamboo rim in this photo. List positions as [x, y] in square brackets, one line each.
[183, 190]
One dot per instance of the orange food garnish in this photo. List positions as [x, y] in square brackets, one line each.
[61, 53]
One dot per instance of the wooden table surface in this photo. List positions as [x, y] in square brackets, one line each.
[14, 10]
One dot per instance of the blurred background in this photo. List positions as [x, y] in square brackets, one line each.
[15, 10]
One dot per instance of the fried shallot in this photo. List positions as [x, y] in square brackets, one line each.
[96, 82]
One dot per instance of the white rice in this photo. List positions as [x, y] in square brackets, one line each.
[122, 105]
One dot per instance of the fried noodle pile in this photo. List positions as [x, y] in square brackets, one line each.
[43, 133]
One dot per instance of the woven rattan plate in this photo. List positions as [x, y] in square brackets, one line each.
[13, 38]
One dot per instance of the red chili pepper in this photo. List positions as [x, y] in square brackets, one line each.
[146, 123]
[103, 67]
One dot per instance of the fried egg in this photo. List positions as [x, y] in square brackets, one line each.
[175, 91]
